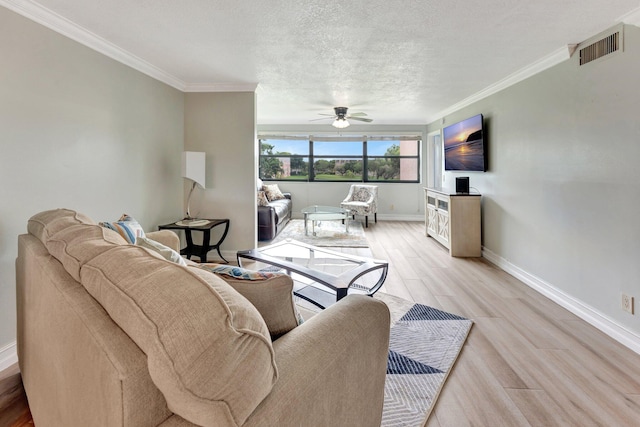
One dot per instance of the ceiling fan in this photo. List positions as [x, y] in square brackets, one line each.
[340, 117]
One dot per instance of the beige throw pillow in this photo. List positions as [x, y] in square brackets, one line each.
[273, 192]
[262, 199]
[270, 293]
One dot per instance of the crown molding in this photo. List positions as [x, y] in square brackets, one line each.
[220, 87]
[631, 18]
[560, 55]
[59, 24]
[542, 64]
[62, 25]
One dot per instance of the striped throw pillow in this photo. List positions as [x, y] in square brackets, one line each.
[127, 227]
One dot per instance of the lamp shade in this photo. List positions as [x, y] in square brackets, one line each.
[193, 166]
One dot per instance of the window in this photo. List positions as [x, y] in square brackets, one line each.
[337, 160]
[284, 159]
[358, 159]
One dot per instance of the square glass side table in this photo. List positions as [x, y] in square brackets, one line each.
[324, 213]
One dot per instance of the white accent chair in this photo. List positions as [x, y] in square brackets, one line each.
[362, 200]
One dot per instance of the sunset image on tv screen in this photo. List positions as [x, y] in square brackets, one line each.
[464, 145]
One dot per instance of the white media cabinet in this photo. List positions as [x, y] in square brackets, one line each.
[454, 220]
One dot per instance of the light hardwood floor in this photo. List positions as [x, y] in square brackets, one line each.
[527, 361]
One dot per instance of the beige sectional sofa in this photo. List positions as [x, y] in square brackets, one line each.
[113, 334]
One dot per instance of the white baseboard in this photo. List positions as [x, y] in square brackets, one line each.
[8, 356]
[587, 313]
[392, 217]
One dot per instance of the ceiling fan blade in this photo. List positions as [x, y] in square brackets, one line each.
[341, 114]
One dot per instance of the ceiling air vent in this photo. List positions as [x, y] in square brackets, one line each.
[605, 45]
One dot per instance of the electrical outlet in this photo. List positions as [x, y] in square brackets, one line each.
[627, 303]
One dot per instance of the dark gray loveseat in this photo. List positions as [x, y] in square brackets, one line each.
[273, 218]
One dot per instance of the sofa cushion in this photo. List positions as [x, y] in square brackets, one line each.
[45, 224]
[281, 208]
[76, 244]
[208, 349]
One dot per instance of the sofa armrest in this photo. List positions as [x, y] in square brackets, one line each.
[332, 367]
[266, 223]
[166, 237]
[268, 213]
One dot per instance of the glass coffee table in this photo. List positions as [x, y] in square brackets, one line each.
[321, 276]
[324, 213]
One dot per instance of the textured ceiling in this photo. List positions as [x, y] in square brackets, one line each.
[400, 61]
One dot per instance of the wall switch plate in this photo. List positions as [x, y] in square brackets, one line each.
[627, 303]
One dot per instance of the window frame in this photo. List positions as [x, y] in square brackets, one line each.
[364, 157]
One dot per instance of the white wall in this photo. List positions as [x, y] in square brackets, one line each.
[81, 131]
[223, 126]
[395, 201]
[562, 195]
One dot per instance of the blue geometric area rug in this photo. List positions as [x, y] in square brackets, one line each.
[424, 343]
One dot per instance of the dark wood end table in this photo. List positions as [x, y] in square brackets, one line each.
[200, 250]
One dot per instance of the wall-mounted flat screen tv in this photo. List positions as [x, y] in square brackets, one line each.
[464, 145]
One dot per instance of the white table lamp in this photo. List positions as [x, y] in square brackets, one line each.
[193, 168]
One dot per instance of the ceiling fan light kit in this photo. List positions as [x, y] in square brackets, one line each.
[340, 117]
[340, 123]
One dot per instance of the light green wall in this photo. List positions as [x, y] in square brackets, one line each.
[561, 197]
[223, 126]
[81, 131]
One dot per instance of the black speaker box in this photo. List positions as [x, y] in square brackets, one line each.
[462, 184]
